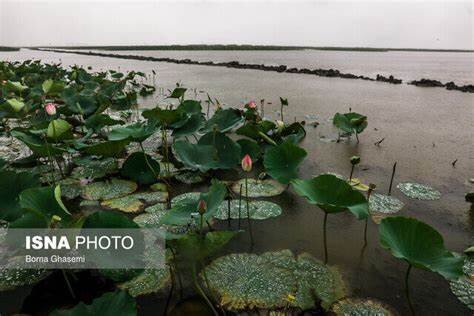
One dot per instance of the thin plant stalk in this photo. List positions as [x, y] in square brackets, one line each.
[281, 113]
[170, 295]
[201, 223]
[180, 281]
[357, 137]
[69, 287]
[248, 212]
[148, 163]
[228, 212]
[324, 238]
[240, 204]
[367, 219]
[391, 179]
[352, 171]
[407, 291]
[201, 292]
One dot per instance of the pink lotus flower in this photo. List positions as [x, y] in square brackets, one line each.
[50, 108]
[247, 163]
[202, 207]
[252, 104]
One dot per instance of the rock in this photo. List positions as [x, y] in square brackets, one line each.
[426, 83]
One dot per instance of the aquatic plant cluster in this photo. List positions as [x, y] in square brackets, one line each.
[334, 73]
[81, 153]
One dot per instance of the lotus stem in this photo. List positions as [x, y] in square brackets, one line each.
[201, 223]
[240, 204]
[228, 212]
[281, 113]
[407, 291]
[248, 212]
[180, 281]
[324, 238]
[352, 171]
[170, 295]
[357, 137]
[147, 162]
[267, 139]
[69, 287]
[201, 292]
[391, 179]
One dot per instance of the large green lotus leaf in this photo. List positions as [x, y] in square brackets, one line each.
[228, 151]
[151, 219]
[97, 121]
[52, 87]
[258, 188]
[11, 185]
[251, 148]
[257, 131]
[419, 191]
[94, 169]
[178, 93]
[111, 148]
[37, 145]
[281, 162]
[78, 103]
[184, 211]
[59, 129]
[350, 122]
[44, 201]
[268, 281]
[109, 304]
[333, 195]
[135, 203]
[15, 86]
[357, 306]
[195, 156]
[109, 189]
[294, 132]
[149, 281]
[419, 244]
[137, 132]
[463, 288]
[108, 219]
[223, 120]
[170, 118]
[192, 125]
[257, 210]
[15, 104]
[142, 168]
[12, 275]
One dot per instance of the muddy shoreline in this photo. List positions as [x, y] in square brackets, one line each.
[333, 73]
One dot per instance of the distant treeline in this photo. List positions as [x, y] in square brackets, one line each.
[255, 47]
[8, 49]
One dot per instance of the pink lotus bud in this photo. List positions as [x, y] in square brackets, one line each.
[4, 82]
[247, 163]
[202, 207]
[252, 104]
[50, 108]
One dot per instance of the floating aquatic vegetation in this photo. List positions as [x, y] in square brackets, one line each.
[385, 204]
[258, 188]
[94, 169]
[109, 189]
[109, 304]
[463, 287]
[141, 168]
[247, 281]
[12, 276]
[70, 188]
[188, 196]
[357, 306]
[135, 203]
[257, 210]
[189, 177]
[419, 191]
[167, 170]
[149, 281]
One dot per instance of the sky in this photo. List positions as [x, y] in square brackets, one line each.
[369, 23]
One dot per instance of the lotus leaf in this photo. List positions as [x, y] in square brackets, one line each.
[281, 162]
[37, 145]
[228, 151]
[12, 275]
[189, 177]
[385, 204]
[142, 168]
[59, 129]
[137, 132]
[366, 307]
[420, 245]
[333, 195]
[109, 304]
[195, 156]
[108, 219]
[70, 188]
[111, 148]
[94, 169]
[463, 288]
[223, 120]
[419, 191]
[258, 188]
[135, 203]
[16, 105]
[257, 210]
[251, 148]
[110, 189]
[350, 122]
[149, 281]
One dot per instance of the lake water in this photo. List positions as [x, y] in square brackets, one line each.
[425, 129]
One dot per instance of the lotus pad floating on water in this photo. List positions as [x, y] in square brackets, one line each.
[149, 281]
[12, 277]
[95, 169]
[463, 288]
[194, 196]
[259, 188]
[419, 191]
[135, 203]
[105, 190]
[267, 281]
[189, 177]
[361, 307]
[257, 210]
[70, 188]
[385, 204]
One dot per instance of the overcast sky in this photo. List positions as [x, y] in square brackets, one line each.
[410, 24]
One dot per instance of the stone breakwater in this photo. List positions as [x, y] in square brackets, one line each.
[333, 73]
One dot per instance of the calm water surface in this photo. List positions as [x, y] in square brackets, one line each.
[425, 129]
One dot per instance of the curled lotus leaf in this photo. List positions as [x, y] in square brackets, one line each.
[463, 287]
[358, 185]
[109, 189]
[147, 282]
[419, 191]
[357, 306]
[266, 281]
[258, 188]
[257, 210]
[135, 203]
